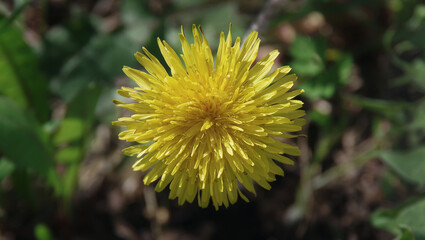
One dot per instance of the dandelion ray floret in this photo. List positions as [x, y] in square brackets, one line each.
[207, 127]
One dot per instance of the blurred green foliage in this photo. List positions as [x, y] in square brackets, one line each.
[413, 169]
[405, 221]
[77, 61]
[311, 58]
[42, 232]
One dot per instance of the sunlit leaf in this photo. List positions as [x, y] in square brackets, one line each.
[70, 154]
[70, 130]
[42, 232]
[6, 168]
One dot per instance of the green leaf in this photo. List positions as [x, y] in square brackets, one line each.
[328, 141]
[16, 13]
[189, 3]
[385, 219]
[308, 55]
[309, 62]
[418, 112]
[61, 43]
[304, 48]
[405, 234]
[78, 54]
[94, 65]
[21, 141]
[81, 108]
[416, 70]
[326, 84]
[136, 12]
[409, 164]
[214, 19]
[64, 57]
[390, 109]
[413, 216]
[406, 218]
[69, 155]
[106, 111]
[81, 112]
[321, 86]
[42, 232]
[344, 67]
[308, 67]
[323, 120]
[70, 130]
[21, 138]
[121, 49]
[20, 78]
[6, 168]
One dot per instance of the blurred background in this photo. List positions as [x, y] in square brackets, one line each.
[361, 174]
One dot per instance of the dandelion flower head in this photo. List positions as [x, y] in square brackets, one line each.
[205, 129]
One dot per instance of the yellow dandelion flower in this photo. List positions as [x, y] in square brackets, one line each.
[206, 127]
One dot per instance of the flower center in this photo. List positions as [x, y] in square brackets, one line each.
[213, 108]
